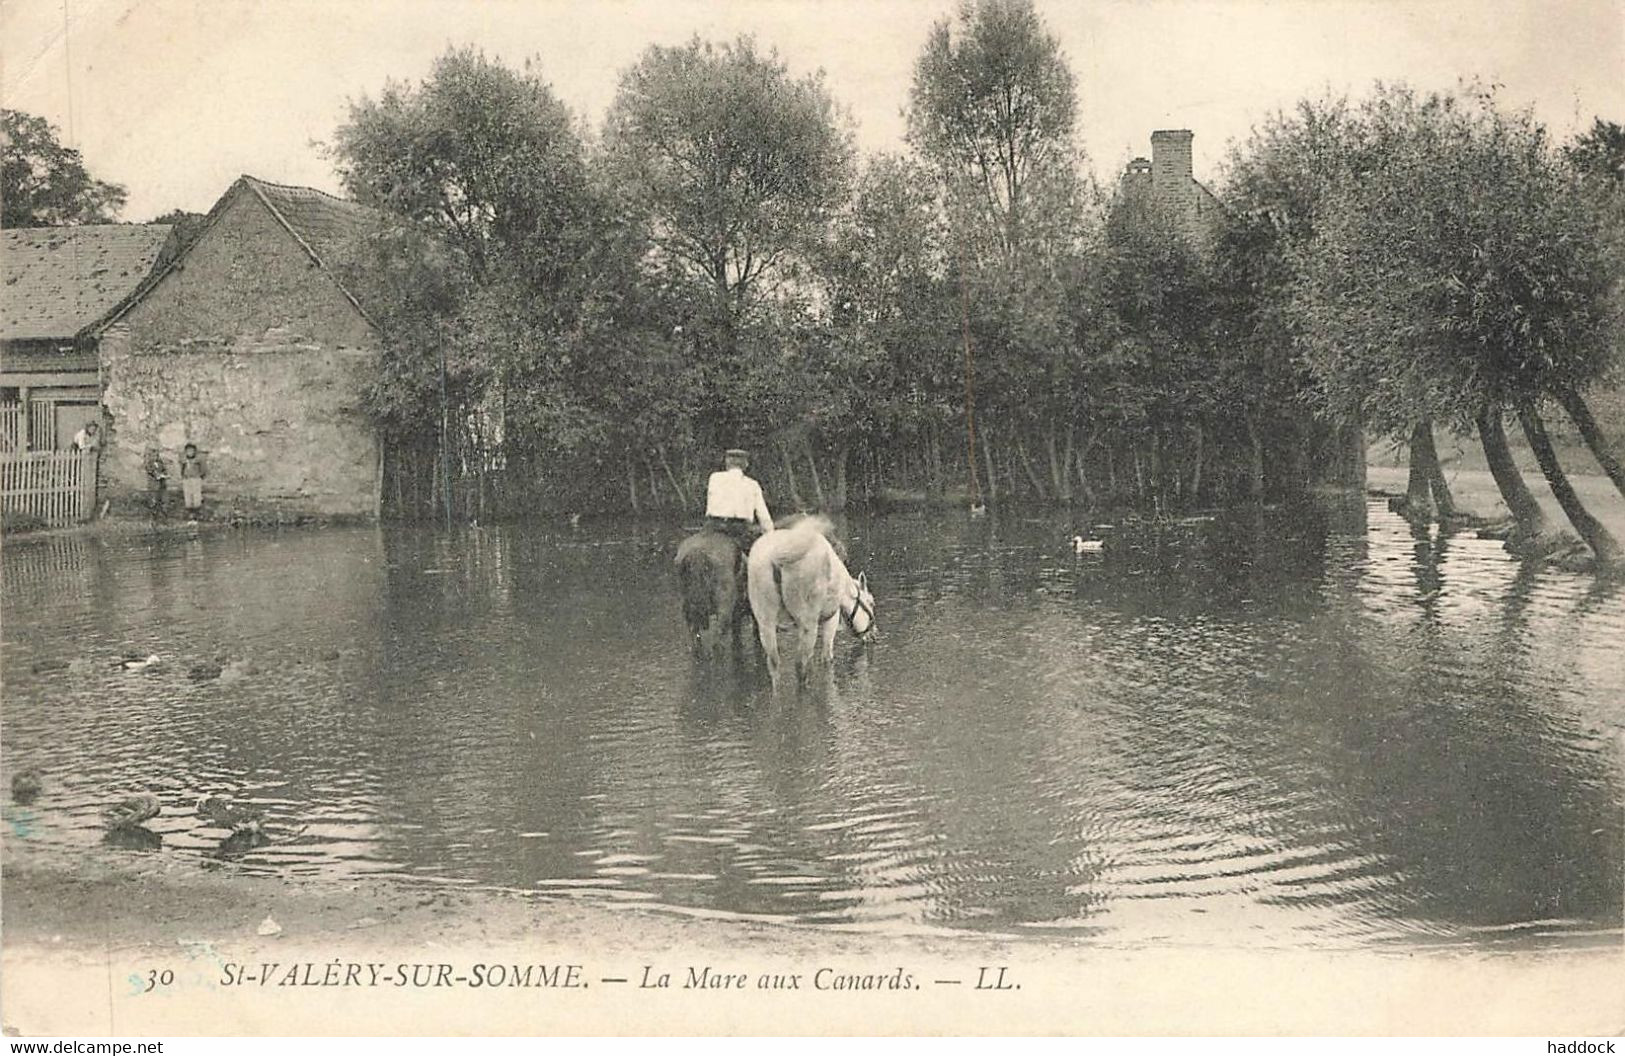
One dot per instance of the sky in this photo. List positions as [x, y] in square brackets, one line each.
[176, 98]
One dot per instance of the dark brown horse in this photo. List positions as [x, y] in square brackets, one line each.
[711, 579]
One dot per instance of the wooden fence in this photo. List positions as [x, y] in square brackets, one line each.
[58, 487]
[41, 426]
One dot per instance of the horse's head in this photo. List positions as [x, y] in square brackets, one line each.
[858, 607]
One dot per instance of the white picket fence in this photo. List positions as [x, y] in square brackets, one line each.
[41, 426]
[58, 487]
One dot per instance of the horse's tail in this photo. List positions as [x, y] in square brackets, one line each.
[817, 522]
[820, 523]
[794, 542]
[697, 582]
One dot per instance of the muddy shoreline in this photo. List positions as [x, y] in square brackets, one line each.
[105, 930]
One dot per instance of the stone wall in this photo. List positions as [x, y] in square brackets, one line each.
[250, 351]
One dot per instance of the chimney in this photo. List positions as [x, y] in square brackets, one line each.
[1171, 157]
[1172, 178]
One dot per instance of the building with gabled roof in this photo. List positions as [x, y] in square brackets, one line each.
[56, 283]
[247, 343]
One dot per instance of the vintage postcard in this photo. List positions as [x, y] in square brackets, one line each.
[812, 517]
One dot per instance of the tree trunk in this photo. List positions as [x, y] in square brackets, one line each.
[1302, 465]
[1027, 467]
[936, 460]
[482, 485]
[790, 477]
[933, 464]
[1353, 438]
[676, 485]
[1422, 445]
[1418, 483]
[817, 481]
[838, 502]
[1158, 492]
[1601, 449]
[1255, 468]
[1196, 470]
[1599, 538]
[1078, 458]
[1520, 501]
[987, 457]
[1060, 478]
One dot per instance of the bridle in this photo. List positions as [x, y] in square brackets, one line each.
[858, 603]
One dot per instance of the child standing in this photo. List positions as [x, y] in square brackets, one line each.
[192, 479]
[157, 481]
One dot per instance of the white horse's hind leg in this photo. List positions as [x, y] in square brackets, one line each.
[769, 634]
[764, 610]
[806, 649]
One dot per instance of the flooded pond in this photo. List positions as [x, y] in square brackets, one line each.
[1276, 729]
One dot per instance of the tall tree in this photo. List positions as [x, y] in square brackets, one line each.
[735, 165]
[1597, 158]
[1157, 291]
[484, 164]
[884, 369]
[486, 156]
[994, 108]
[43, 183]
[993, 112]
[734, 170]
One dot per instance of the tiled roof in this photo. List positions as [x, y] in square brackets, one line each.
[323, 222]
[59, 280]
[320, 222]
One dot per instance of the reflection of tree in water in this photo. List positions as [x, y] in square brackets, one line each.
[488, 767]
[1460, 764]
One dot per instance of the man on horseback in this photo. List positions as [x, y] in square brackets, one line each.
[733, 502]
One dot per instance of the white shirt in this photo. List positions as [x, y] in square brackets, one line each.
[732, 494]
[84, 441]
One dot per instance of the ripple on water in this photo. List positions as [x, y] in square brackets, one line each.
[1315, 727]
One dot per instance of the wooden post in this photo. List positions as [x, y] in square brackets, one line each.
[24, 429]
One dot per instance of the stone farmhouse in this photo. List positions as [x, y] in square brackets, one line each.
[248, 344]
[57, 283]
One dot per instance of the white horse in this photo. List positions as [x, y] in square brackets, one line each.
[797, 581]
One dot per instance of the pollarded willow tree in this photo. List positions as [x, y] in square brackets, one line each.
[1462, 273]
[1597, 159]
